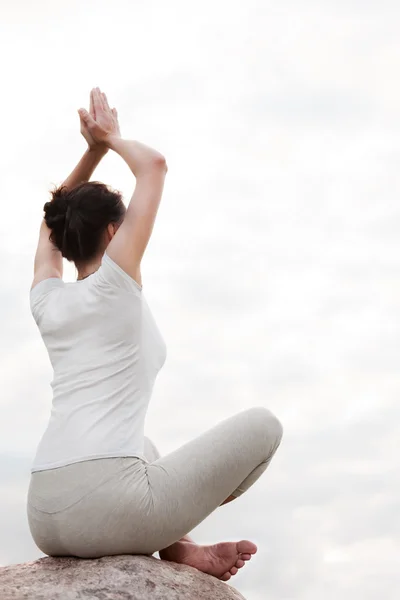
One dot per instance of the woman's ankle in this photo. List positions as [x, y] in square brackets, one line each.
[172, 551]
[187, 538]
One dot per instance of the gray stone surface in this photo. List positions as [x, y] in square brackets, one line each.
[122, 577]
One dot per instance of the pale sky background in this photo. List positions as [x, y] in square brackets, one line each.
[273, 269]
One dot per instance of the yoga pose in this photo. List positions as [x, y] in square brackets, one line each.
[98, 485]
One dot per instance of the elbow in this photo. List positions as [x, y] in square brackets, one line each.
[154, 165]
[161, 163]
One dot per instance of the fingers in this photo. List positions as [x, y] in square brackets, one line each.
[101, 96]
[88, 119]
[92, 109]
[105, 101]
[97, 100]
[101, 121]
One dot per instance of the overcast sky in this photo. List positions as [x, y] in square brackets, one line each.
[273, 269]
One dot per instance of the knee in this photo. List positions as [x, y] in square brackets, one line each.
[268, 423]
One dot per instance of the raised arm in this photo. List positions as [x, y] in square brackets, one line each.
[149, 168]
[95, 150]
[85, 167]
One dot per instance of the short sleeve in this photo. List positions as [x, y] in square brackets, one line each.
[110, 273]
[40, 294]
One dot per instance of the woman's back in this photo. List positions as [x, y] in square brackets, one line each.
[106, 351]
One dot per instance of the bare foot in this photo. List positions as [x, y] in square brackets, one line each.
[220, 560]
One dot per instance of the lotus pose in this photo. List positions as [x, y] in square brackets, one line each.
[98, 485]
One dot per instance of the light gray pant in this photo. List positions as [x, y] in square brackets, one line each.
[126, 505]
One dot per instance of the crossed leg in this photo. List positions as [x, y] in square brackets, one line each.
[254, 435]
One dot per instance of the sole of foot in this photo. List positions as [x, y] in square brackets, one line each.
[221, 560]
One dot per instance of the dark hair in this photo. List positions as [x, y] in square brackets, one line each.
[79, 217]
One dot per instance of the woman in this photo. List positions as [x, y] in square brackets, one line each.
[98, 485]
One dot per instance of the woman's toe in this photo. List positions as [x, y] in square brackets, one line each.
[239, 563]
[233, 570]
[245, 556]
[226, 576]
[246, 546]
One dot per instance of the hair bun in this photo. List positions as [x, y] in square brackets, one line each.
[59, 209]
[61, 217]
[78, 216]
[56, 209]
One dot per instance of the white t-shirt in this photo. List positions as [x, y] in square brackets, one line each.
[106, 351]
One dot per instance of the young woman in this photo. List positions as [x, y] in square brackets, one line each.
[98, 486]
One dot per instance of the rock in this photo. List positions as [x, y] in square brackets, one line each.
[121, 577]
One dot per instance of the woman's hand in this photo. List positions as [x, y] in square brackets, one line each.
[101, 123]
